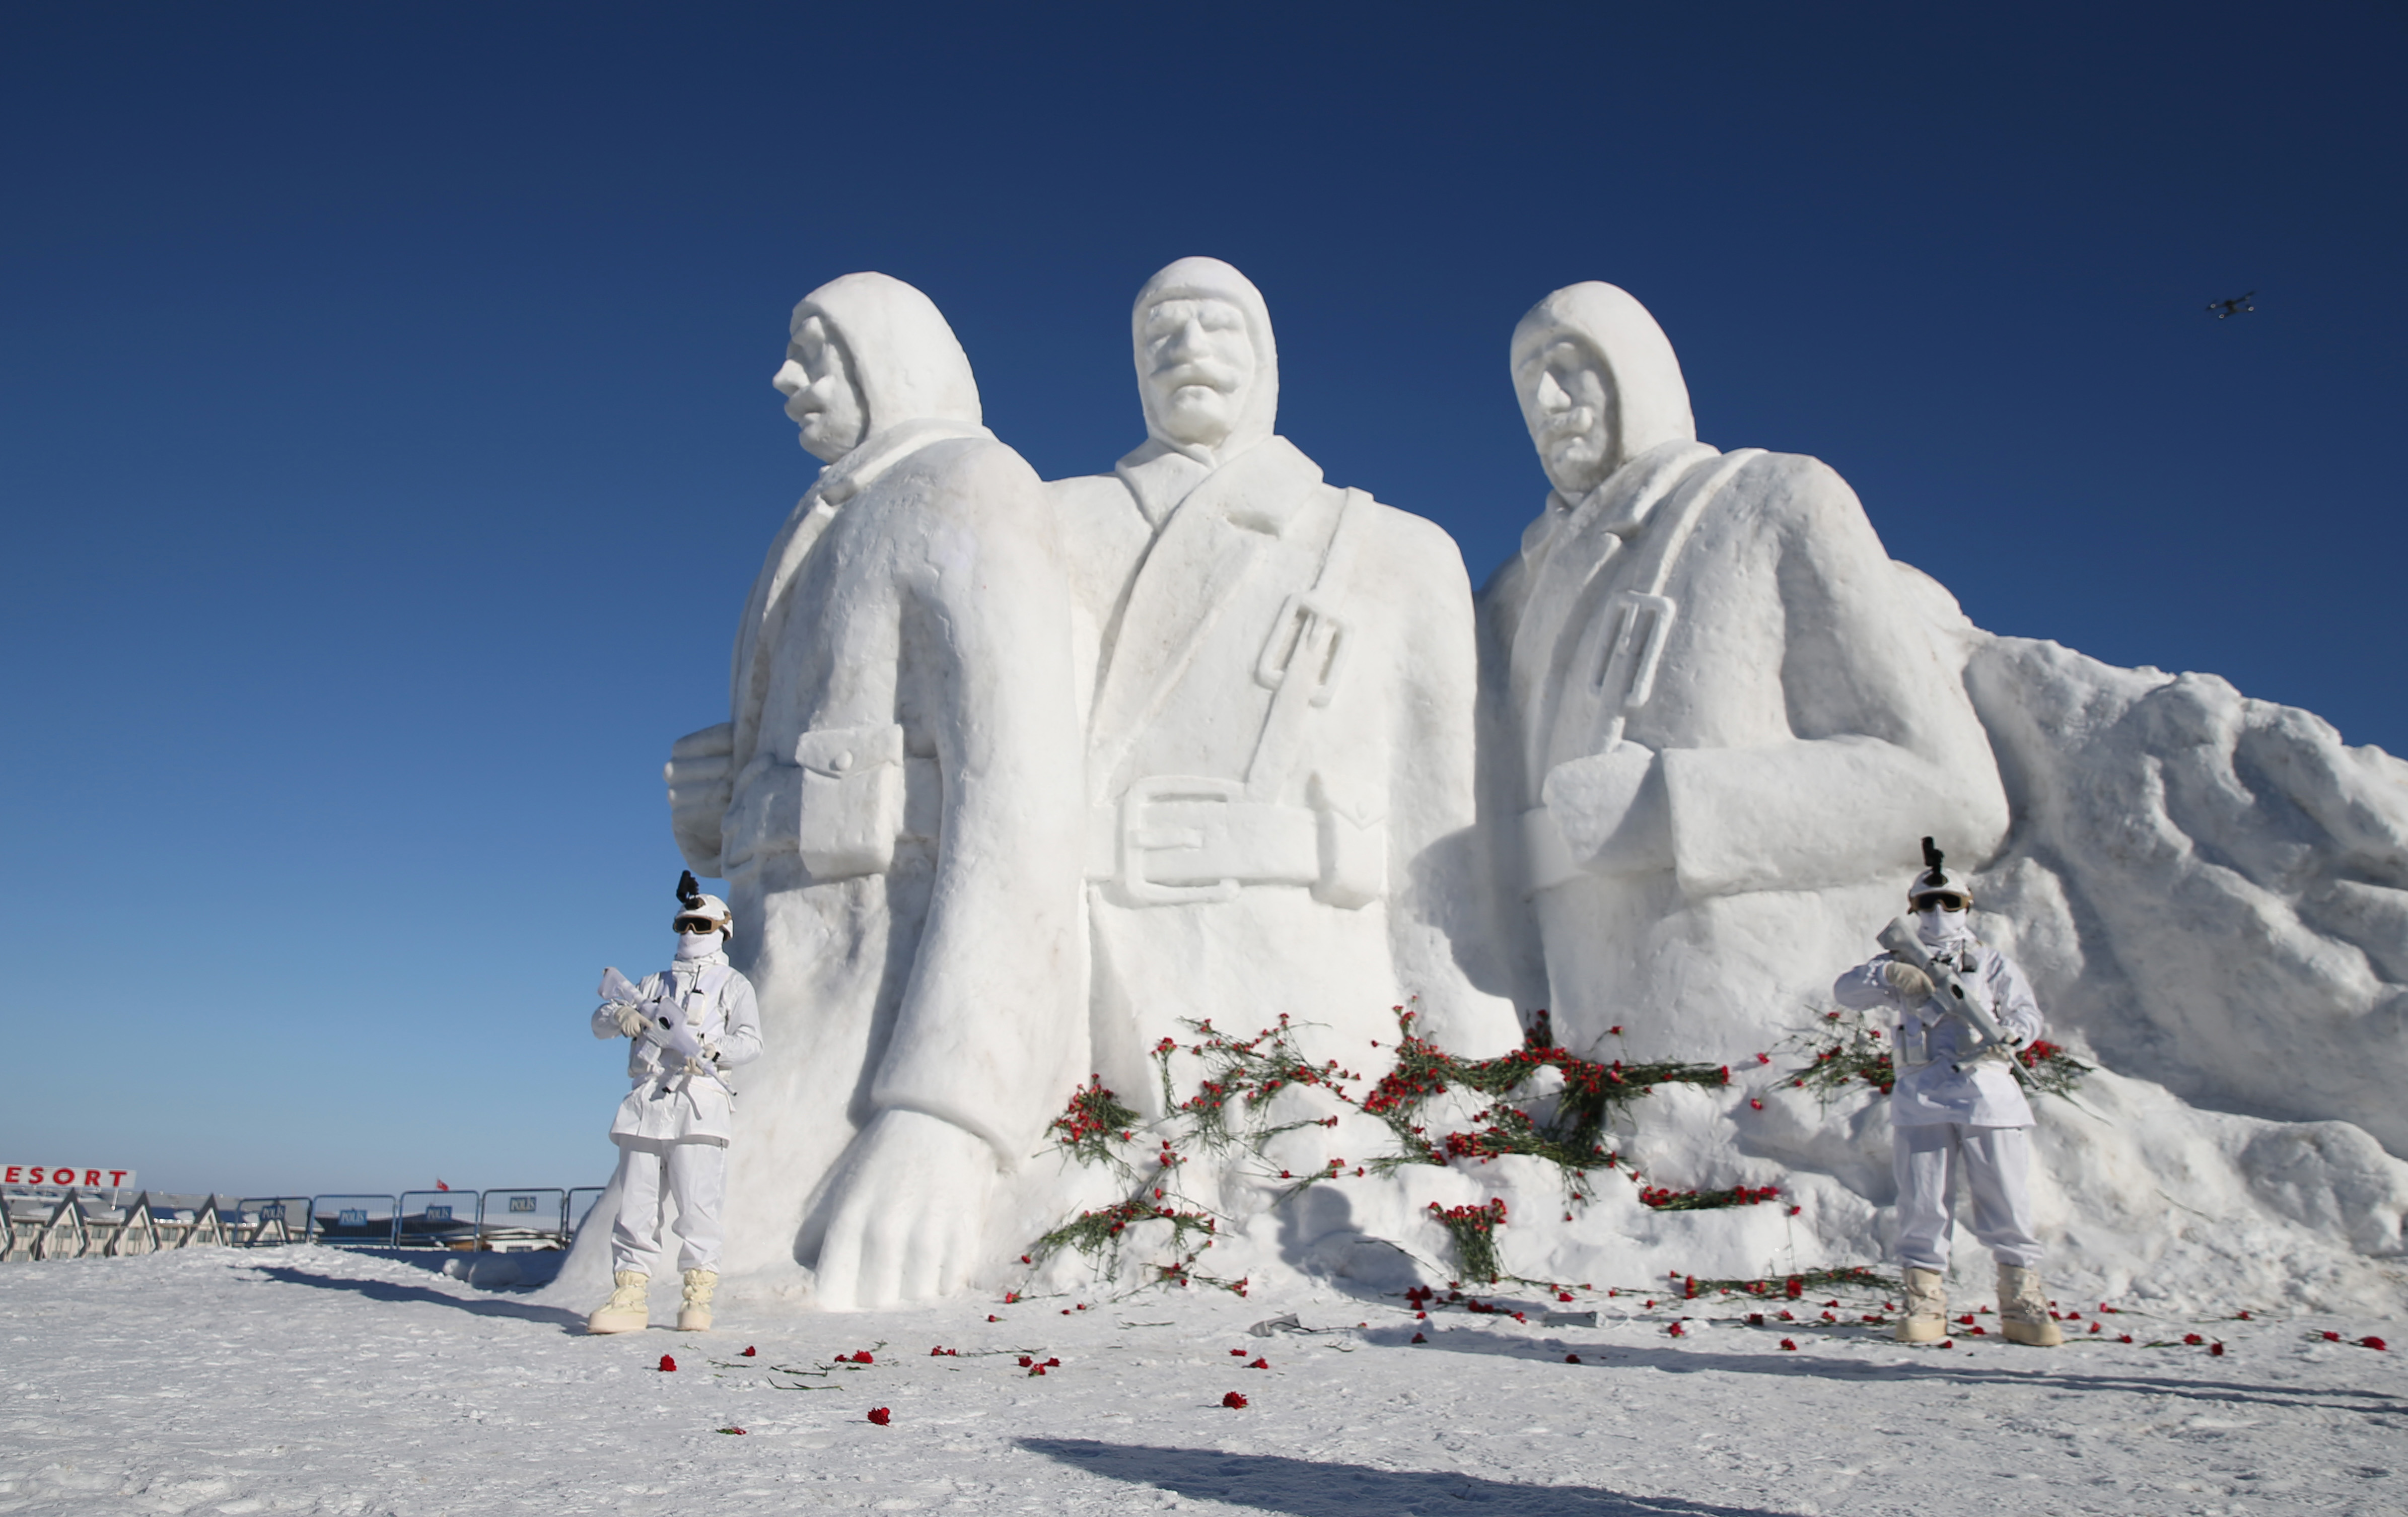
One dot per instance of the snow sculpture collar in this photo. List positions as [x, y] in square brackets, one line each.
[1207, 278]
[915, 381]
[1646, 398]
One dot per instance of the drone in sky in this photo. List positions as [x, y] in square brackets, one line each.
[2241, 305]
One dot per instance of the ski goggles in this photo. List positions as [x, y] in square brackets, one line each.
[696, 925]
[1945, 903]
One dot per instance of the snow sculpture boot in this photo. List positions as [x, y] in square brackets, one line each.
[694, 1315]
[1926, 1317]
[2023, 1309]
[629, 1308]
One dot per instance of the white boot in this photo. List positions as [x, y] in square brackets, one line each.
[2023, 1309]
[694, 1315]
[629, 1308]
[1926, 1317]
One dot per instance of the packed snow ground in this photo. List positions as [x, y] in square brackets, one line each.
[308, 1379]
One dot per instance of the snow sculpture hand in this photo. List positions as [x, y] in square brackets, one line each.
[1612, 810]
[907, 1215]
[700, 774]
[1909, 984]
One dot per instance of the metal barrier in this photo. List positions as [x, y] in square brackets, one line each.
[512, 1219]
[572, 1214]
[443, 1220]
[356, 1220]
[262, 1220]
[78, 1224]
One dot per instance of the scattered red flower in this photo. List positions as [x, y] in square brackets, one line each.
[1418, 1338]
[737, 1431]
[747, 1351]
[1260, 1364]
[1790, 1344]
[1234, 1401]
[2373, 1343]
[2193, 1339]
[669, 1366]
[881, 1416]
[1571, 1358]
[2216, 1351]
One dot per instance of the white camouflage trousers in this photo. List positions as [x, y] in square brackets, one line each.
[1996, 1163]
[697, 1176]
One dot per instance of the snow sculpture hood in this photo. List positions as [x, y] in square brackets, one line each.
[1649, 399]
[906, 360]
[1209, 278]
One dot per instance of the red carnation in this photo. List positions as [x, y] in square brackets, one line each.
[2373, 1343]
[1571, 1358]
[1234, 1401]
[2193, 1339]
[747, 1351]
[1260, 1364]
[669, 1366]
[1418, 1338]
[2216, 1351]
[881, 1416]
[1789, 1343]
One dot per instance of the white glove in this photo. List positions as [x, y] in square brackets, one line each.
[1907, 983]
[632, 1022]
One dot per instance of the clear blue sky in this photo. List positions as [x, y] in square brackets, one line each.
[387, 442]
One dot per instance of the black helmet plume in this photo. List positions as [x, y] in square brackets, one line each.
[689, 893]
[1931, 859]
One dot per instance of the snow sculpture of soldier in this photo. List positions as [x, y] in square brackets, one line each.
[1949, 1113]
[897, 800]
[1720, 705]
[1280, 683]
[690, 1024]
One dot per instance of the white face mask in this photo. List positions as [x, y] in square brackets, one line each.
[699, 945]
[1935, 925]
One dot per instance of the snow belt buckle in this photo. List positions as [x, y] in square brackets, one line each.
[1138, 839]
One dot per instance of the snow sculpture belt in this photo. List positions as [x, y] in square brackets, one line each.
[1179, 838]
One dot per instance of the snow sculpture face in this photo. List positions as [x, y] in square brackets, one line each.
[821, 396]
[1568, 408]
[1207, 368]
[1598, 385]
[1197, 365]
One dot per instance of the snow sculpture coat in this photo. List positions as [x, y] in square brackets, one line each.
[1736, 615]
[901, 827]
[1986, 1095]
[1281, 684]
[674, 1100]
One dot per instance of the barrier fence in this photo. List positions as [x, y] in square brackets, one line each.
[78, 1224]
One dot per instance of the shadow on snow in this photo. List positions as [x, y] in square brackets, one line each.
[1701, 1360]
[1303, 1488]
[388, 1291]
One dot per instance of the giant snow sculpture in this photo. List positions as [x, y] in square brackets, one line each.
[1729, 728]
[896, 806]
[1022, 781]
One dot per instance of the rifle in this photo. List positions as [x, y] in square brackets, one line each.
[668, 1027]
[1950, 991]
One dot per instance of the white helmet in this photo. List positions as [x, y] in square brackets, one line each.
[694, 906]
[1936, 880]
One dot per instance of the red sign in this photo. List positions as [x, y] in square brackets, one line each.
[60, 1177]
